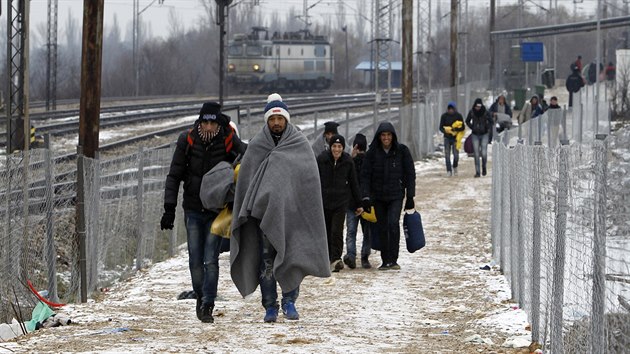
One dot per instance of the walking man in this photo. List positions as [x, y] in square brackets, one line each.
[353, 220]
[278, 228]
[479, 121]
[340, 190]
[387, 177]
[451, 129]
[320, 145]
[210, 141]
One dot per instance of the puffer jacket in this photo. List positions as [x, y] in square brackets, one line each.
[479, 122]
[340, 186]
[387, 176]
[191, 162]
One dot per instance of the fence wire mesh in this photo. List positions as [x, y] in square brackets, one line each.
[38, 209]
[561, 235]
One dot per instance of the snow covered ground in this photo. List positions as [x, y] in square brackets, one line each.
[440, 301]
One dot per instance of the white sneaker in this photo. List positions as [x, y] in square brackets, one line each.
[449, 174]
[455, 172]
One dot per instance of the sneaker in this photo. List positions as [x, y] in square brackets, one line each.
[455, 171]
[289, 311]
[365, 263]
[336, 266]
[206, 313]
[271, 314]
[350, 262]
[198, 309]
[384, 266]
[484, 172]
[477, 175]
[394, 266]
[449, 173]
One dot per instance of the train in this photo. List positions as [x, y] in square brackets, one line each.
[292, 61]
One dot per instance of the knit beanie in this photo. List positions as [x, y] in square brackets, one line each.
[276, 106]
[211, 112]
[452, 104]
[337, 139]
[331, 127]
[361, 141]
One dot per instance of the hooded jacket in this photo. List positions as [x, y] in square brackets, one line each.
[447, 120]
[340, 186]
[391, 175]
[191, 162]
[494, 108]
[529, 111]
[480, 122]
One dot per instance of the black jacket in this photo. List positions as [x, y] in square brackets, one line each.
[191, 162]
[448, 119]
[574, 82]
[480, 123]
[387, 176]
[340, 185]
[358, 164]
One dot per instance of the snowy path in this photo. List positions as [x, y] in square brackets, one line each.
[438, 299]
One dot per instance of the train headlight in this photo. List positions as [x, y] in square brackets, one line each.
[256, 67]
[231, 67]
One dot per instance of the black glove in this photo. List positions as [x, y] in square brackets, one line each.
[409, 204]
[366, 205]
[168, 219]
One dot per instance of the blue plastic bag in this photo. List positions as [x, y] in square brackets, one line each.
[414, 233]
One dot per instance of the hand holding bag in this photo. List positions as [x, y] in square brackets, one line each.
[414, 233]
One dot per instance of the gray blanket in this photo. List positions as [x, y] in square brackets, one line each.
[278, 192]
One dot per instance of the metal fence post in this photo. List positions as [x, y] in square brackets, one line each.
[81, 232]
[505, 205]
[514, 238]
[536, 227]
[598, 339]
[140, 209]
[562, 205]
[49, 245]
[348, 125]
[94, 237]
[172, 240]
[315, 116]
[249, 122]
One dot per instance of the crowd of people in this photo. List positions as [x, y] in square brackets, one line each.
[289, 202]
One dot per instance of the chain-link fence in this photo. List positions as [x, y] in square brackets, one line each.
[561, 235]
[121, 208]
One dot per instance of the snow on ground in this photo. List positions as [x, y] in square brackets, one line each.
[440, 301]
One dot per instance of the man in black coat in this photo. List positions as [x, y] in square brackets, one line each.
[210, 141]
[340, 191]
[574, 83]
[447, 120]
[387, 177]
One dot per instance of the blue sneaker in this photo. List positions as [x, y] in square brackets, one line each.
[271, 315]
[290, 313]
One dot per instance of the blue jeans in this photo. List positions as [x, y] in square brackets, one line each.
[450, 144]
[268, 285]
[388, 228]
[352, 225]
[203, 255]
[480, 146]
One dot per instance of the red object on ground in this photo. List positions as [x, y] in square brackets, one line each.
[41, 298]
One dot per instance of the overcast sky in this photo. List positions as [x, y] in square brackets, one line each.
[189, 10]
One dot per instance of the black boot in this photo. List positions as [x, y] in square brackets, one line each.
[350, 262]
[198, 308]
[206, 313]
[365, 263]
[484, 171]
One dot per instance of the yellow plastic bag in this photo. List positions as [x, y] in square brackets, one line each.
[370, 217]
[221, 226]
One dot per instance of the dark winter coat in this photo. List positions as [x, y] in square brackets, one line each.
[574, 82]
[387, 176]
[358, 164]
[494, 108]
[340, 185]
[191, 162]
[447, 120]
[479, 122]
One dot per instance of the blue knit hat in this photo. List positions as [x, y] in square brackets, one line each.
[276, 106]
[452, 104]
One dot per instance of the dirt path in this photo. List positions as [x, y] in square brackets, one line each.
[430, 306]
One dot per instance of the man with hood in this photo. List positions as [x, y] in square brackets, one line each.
[321, 144]
[387, 177]
[340, 191]
[450, 129]
[210, 141]
[532, 109]
[278, 228]
[479, 121]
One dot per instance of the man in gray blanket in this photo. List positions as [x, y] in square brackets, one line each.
[278, 228]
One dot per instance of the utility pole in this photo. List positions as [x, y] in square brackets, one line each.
[492, 48]
[18, 122]
[406, 111]
[454, 4]
[222, 11]
[51, 63]
[136, 49]
[345, 31]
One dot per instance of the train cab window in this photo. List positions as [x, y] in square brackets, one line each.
[302, 52]
[254, 50]
[267, 51]
[235, 50]
[320, 51]
[288, 51]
